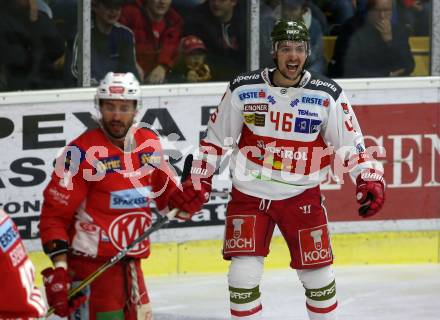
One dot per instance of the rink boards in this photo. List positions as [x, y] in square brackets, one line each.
[402, 115]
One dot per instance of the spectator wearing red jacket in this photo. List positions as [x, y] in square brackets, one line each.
[157, 28]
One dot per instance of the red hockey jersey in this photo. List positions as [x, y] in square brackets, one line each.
[99, 197]
[19, 298]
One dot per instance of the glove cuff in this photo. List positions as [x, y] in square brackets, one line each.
[201, 175]
[371, 175]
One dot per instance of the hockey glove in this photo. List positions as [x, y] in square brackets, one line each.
[57, 284]
[370, 192]
[195, 190]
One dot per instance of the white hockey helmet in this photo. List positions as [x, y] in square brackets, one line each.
[119, 86]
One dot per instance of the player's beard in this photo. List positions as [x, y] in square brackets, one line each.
[295, 77]
[116, 129]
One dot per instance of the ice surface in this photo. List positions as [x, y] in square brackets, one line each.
[391, 292]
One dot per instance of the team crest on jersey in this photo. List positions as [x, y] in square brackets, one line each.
[8, 235]
[127, 228]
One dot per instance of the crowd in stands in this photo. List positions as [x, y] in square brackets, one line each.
[176, 41]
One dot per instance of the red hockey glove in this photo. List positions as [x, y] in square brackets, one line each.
[195, 190]
[370, 192]
[189, 200]
[57, 284]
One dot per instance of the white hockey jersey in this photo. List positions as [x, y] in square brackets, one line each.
[283, 138]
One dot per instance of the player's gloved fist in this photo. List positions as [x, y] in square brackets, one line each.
[188, 200]
[370, 192]
[195, 190]
[57, 284]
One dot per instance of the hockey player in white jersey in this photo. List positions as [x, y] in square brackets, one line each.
[283, 124]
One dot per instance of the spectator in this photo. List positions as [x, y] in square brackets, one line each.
[270, 12]
[416, 15]
[335, 67]
[157, 29]
[271, 8]
[112, 44]
[319, 15]
[337, 11]
[193, 67]
[221, 25]
[30, 45]
[65, 17]
[378, 48]
[44, 7]
[299, 10]
[184, 7]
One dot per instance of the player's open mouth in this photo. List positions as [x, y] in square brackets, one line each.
[116, 126]
[292, 67]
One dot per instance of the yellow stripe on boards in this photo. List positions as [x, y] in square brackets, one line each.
[195, 257]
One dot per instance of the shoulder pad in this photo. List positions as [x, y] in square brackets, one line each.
[321, 83]
[252, 77]
[88, 139]
[147, 133]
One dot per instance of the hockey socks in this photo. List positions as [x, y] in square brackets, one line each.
[244, 292]
[245, 303]
[320, 291]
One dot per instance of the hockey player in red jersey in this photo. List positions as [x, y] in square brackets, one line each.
[282, 125]
[98, 202]
[19, 297]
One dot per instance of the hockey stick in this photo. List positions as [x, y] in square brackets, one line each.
[160, 222]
